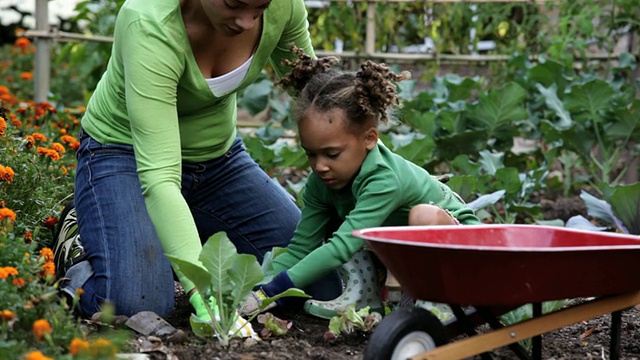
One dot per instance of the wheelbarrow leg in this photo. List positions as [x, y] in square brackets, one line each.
[536, 341]
[616, 326]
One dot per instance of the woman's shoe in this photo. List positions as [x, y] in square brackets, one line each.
[67, 247]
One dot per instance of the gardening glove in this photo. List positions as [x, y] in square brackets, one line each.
[246, 330]
[278, 284]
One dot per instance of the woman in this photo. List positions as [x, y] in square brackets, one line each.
[160, 168]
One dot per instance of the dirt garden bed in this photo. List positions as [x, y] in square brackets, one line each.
[583, 340]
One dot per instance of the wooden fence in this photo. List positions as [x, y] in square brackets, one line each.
[44, 35]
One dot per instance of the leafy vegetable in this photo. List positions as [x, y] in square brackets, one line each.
[228, 277]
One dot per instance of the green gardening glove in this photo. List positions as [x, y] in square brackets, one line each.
[201, 310]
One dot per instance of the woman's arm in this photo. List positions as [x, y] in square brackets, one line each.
[152, 65]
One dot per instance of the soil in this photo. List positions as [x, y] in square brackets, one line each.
[583, 340]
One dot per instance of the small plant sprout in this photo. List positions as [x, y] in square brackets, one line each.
[349, 320]
[228, 278]
[273, 325]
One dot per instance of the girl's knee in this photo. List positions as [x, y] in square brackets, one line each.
[426, 214]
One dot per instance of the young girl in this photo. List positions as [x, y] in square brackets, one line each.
[355, 177]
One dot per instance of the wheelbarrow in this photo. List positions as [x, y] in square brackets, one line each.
[484, 271]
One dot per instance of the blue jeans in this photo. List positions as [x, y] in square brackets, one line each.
[126, 265]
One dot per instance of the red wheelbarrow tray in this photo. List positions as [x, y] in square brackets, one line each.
[506, 265]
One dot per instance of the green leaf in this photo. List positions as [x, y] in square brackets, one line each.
[552, 101]
[200, 277]
[626, 123]
[414, 147]
[548, 73]
[202, 329]
[255, 97]
[600, 209]
[625, 203]
[467, 142]
[421, 121]
[218, 256]
[509, 180]
[464, 185]
[289, 292]
[245, 273]
[486, 200]
[491, 162]
[500, 107]
[592, 97]
[293, 157]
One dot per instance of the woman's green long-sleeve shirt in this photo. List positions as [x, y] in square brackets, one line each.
[382, 194]
[154, 97]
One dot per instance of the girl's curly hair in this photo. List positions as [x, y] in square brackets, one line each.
[367, 96]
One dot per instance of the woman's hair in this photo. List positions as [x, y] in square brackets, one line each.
[366, 96]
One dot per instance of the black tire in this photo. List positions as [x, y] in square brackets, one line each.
[409, 330]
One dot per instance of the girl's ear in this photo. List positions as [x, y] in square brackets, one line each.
[371, 138]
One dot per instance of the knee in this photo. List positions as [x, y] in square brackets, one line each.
[425, 214]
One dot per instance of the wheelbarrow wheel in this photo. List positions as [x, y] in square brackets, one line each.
[404, 333]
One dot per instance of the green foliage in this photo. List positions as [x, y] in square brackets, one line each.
[229, 278]
[620, 210]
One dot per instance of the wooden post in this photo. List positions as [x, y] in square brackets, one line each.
[42, 71]
[370, 41]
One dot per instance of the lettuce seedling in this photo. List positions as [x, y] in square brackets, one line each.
[229, 278]
[350, 320]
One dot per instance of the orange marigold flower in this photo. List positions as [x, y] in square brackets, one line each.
[7, 271]
[23, 43]
[6, 213]
[16, 122]
[46, 253]
[4, 90]
[36, 355]
[28, 141]
[26, 76]
[79, 291]
[78, 346]
[74, 145]
[67, 139]
[6, 174]
[7, 315]
[63, 131]
[28, 236]
[41, 328]
[18, 282]
[48, 268]
[64, 169]
[59, 148]
[50, 222]
[3, 126]
[39, 136]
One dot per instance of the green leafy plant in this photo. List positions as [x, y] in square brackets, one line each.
[229, 278]
[350, 320]
[620, 210]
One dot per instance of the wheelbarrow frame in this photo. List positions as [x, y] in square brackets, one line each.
[611, 297]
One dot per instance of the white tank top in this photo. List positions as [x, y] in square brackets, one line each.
[223, 84]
